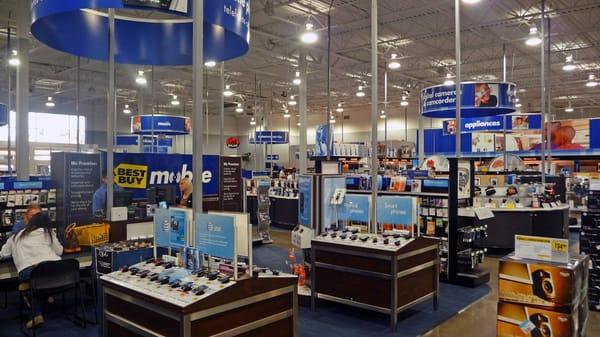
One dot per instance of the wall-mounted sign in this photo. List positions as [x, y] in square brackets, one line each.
[232, 142]
[164, 169]
[478, 99]
[270, 137]
[81, 28]
[161, 124]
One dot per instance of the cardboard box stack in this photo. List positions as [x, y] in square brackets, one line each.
[542, 299]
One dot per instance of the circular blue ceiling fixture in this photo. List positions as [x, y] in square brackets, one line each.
[478, 99]
[80, 27]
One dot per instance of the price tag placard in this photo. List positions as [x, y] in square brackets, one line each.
[542, 248]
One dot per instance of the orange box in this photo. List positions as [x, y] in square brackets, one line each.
[557, 286]
[517, 320]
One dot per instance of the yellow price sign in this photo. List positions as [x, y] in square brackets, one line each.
[559, 246]
[131, 176]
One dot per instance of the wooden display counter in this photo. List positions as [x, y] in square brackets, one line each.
[385, 279]
[251, 307]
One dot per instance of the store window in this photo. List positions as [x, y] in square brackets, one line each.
[48, 128]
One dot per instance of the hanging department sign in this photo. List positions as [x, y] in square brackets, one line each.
[270, 137]
[160, 124]
[475, 124]
[478, 99]
[80, 27]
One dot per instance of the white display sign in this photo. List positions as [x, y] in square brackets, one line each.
[542, 248]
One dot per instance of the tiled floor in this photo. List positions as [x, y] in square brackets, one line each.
[479, 320]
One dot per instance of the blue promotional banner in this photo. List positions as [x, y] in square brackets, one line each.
[214, 235]
[474, 124]
[141, 170]
[305, 194]
[323, 133]
[161, 124]
[478, 99]
[81, 28]
[355, 208]
[395, 210]
[270, 137]
[127, 140]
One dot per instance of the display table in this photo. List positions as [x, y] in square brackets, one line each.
[386, 279]
[249, 307]
[9, 272]
[547, 222]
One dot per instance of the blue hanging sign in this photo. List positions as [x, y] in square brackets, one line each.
[478, 99]
[81, 28]
[214, 235]
[272, 157]
[270, 137]
[127, 140]
[161, 124]
[395, 210]
[475, 124]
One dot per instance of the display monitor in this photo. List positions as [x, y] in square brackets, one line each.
[163, 194]
[123, 198]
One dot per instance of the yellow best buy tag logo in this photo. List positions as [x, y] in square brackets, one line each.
[131, 176]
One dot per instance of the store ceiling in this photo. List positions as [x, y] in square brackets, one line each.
[420, 32]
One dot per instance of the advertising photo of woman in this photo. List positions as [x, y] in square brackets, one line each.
[485, 95]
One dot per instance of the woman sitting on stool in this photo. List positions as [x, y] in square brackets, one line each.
[35, 243]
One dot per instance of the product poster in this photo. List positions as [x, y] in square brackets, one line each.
[162, 227]
[328, 187]
[323, 134]
[178, 228]
[215, 235]
[305, 193]
[464, 179]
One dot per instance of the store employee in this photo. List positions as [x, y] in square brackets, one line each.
[185, 188]
[99, 200]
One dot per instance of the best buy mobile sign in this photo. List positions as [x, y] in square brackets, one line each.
[131, 176]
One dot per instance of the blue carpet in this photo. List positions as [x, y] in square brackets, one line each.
[329, 320]
[332, 319]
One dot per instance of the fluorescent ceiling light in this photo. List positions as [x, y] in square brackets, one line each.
[404, 101]
[591, 83]
[252, 121]
[297, 80]
[210, 64]
[14, 60]
[175, 101]
[449, 81]
[126, 109]
[569, 64]
[339, 108]
[239, 108]
[471, 2]
[360, 92]
[292, 101]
